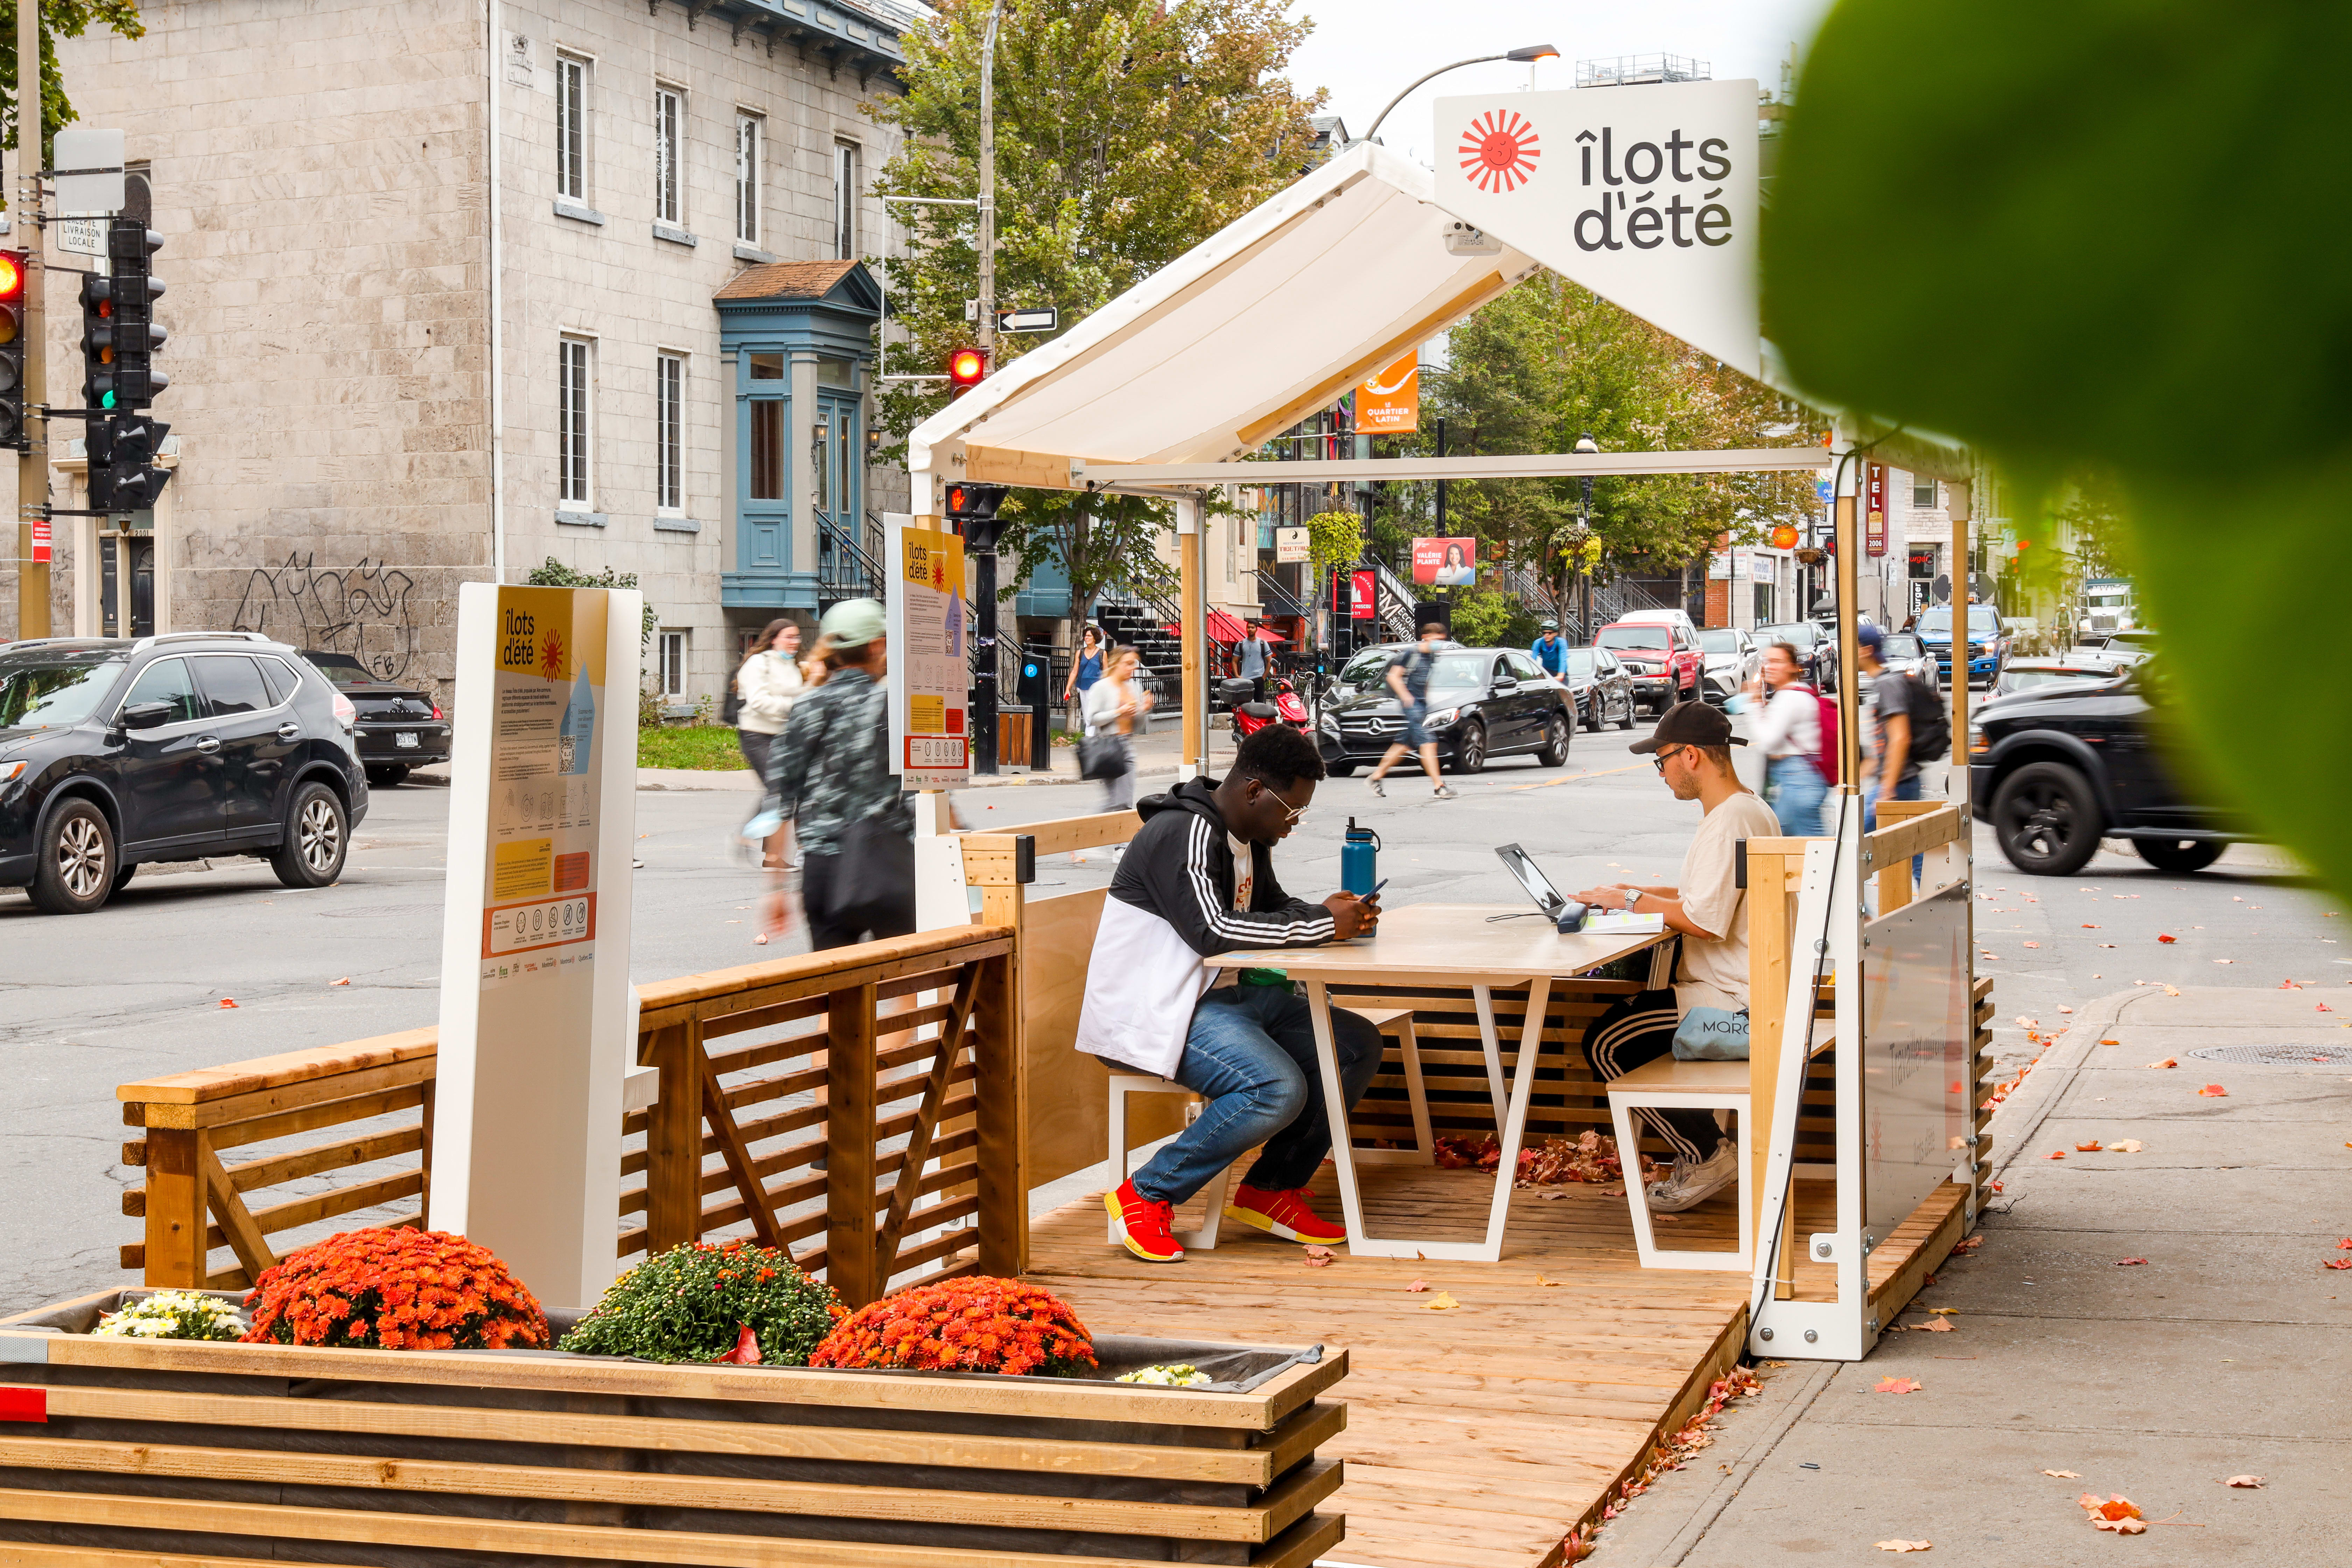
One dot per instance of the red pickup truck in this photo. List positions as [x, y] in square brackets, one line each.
[1664, 660]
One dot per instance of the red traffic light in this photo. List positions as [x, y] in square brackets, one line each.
[966, 369]
[11, 276]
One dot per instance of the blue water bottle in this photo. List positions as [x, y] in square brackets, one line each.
[1360, 860]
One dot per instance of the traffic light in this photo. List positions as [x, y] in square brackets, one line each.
[975, 503]
[123, 473]
[11, 348]
[121, 336]
[967, 368]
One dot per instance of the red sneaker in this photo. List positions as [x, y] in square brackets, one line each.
[1144, 1225]
[1285, 1213]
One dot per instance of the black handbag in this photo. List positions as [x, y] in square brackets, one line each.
[1101, 756]
[874, 885]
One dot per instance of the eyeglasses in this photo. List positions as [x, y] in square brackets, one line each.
[1659, 761]
[1290, 814]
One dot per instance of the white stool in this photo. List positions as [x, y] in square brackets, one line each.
[1668, 1084]
[1123, 1084]
[1396, 1024]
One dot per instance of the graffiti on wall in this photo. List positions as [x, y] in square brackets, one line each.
[362, 611]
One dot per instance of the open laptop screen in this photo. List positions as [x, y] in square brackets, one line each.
[1539, 886]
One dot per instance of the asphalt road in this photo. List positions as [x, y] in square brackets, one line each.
[136, 989]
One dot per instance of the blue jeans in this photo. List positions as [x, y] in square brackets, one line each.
[1251, 1055]
[1904, 789]
[1796, 789]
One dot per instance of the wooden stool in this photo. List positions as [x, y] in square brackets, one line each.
[1123, 1084]
[1669, 1084]
[1396, 1024]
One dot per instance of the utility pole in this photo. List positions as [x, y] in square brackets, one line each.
[32, 455]
[988, 184]
[980, 538]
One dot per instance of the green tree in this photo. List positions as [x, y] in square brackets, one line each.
[59, 18]
[1551, 361]
[1126, 133]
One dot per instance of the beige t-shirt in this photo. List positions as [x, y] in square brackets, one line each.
[1715, 974]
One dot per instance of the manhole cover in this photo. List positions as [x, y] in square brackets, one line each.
[2278, 1055]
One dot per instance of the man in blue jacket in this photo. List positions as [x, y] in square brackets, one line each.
[1549, 651]
[1198, 879]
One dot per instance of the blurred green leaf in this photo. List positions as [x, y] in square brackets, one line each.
[2111, 233]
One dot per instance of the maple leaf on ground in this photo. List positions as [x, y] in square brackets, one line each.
[228, 1001]
[2092, 1147]
[2213, 1091]
[2124, 1146]
[2065, 1009]
[2249, 1483]
[1938, 1326]
[2344, 1244]
[1897, 1385]
[346, 980]
[2064, 1475]
[1418, 1285]
[2337, 1263]
[2167, 936]
[2128, 1262]
[1443, 1302]
[1553, 1283]
[2166, 1062]
[1947, 1311]
[1905, 1545]
[1320, 1257]
[2115, 1510]
[2057, 1154]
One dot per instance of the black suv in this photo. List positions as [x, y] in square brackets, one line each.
[398, 729]
[178, 747]
[1483, 703]
[2056, 768]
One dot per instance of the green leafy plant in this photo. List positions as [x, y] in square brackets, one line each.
[173, 1315]
[58, 18]
[2108, 283]
[554, 574]
[710, 1302]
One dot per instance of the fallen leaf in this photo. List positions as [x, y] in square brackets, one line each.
[228, 1001]
[2233, 961]
[346, 980]
[2057, 1154]
[2124, 1146]
[2066, 1475]
[1904, 1545]
[1553, 1284]
[2337, 1263]
[747, 1348]
[2128, 1262]
[1948, 1311]
[2214, 1091]
[2120, 1526]
[2170, 1062]
[1320, 1257]
[2065, 1009]
[1897, 1385]
[2115, 1510]
[2166, 936]
[1443, 1302]
[2249, 1483]
[1417, 1285]
[1666, 1220]
[2344, 1244]
[2036, 944]
[1938, 1326]
[2092, 1147]
[2169, 990]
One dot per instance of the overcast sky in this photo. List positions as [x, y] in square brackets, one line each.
[1365, 50]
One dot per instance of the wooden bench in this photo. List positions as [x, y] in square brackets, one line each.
[1669, 1084]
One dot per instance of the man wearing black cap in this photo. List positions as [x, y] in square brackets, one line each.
[1691, 748]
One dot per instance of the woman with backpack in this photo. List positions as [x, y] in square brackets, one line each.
[1797, 732]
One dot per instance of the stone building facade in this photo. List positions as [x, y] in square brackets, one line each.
[682, 315]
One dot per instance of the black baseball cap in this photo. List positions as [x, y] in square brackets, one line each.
[1692, 723]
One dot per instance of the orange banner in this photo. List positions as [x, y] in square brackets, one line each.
[1388, 404]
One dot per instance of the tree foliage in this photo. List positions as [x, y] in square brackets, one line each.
[59, 18]
[1550, 360]
[1126, 133]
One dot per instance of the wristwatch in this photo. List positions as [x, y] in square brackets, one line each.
[1632, 897]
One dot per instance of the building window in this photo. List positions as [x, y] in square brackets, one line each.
[845, 202]
[575, 424]
[669, 125]
[767, 448]
[1923, 494]
[749, 130]
[670, 432]
[672, 664]
[571, 127]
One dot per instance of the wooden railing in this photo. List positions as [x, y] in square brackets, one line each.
[892, 1062]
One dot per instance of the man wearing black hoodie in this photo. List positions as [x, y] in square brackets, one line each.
[1198, 879]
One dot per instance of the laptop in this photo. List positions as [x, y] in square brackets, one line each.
[1548, 901]
[1532, 878]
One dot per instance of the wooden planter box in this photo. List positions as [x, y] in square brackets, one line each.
[161, 1452]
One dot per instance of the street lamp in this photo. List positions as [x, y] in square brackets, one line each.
[1527, 55]
[1587, 445]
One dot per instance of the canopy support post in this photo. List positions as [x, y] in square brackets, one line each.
[1194, 627]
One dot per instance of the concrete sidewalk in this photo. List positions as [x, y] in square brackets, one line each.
[2223, 1353]
[1156, 757]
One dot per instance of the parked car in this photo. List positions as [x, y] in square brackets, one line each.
[1483, 702]
[190, 745]
[1601, 688]
[1663, 658]
[2031, 674]
[399, 727]
[1731, 659]
[1987, 641]
[2057, 767]
[1904, 653]
[1816, 647]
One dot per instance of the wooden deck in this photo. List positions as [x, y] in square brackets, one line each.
[1478, 1436]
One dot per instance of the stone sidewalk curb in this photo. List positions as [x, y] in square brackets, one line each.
[2021, 1116]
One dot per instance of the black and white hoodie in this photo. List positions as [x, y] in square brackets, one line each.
[1170, 906]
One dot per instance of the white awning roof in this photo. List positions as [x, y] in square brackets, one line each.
[1266, 322]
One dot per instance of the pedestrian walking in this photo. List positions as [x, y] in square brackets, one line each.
[767, 685]
[1788, 729]
[1115, 711]
[1408, 677]
[1900, 723]
[1085, 670]
[830, 777]
[1251, 658]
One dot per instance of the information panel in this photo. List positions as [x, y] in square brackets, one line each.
[1915, 1065]
[930, 663]
[534, 1038]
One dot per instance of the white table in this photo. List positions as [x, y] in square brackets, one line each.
[1447, 945]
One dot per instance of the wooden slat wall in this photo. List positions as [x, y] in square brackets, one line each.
[854, 1057]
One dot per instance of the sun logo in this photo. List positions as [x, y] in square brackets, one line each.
[551, 656]
[1498, 152]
